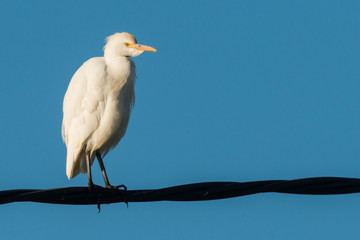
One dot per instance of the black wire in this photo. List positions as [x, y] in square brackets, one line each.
[188, 192]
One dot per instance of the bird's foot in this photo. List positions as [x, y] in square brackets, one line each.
[96, 189]
[108, 186]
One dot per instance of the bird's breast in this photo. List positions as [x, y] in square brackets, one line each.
[119, 100]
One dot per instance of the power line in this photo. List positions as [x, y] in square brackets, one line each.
[189, 192]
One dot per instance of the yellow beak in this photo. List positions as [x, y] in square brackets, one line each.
[142, 47]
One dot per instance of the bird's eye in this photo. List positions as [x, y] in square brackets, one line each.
[127, 44]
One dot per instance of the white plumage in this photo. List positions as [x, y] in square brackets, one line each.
[98, 102]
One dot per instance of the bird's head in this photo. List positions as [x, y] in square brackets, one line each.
[125, 44]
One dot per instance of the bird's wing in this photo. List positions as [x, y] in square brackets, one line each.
[83, 106]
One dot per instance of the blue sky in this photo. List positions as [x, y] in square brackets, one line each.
[238, 91]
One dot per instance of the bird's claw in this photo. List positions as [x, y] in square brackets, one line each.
[95, 189]
[121, 186]
[116, 187]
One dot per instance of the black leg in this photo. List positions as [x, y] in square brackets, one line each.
[91, 185]
[90, 182]
[106, 180]
[107, 184]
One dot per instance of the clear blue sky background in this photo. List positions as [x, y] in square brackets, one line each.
[238, 91]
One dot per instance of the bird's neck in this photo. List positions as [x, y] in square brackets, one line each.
[118, 67]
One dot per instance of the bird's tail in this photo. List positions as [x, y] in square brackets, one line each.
[76, 161]
[74, 158]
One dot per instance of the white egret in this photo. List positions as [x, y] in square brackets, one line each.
[97, 105]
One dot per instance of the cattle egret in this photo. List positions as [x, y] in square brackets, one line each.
[97, 105]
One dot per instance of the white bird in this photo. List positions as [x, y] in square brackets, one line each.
[97, 105]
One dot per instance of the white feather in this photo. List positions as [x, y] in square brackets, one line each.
[98, 103]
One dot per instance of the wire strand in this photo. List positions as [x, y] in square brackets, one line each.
[189, 192]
